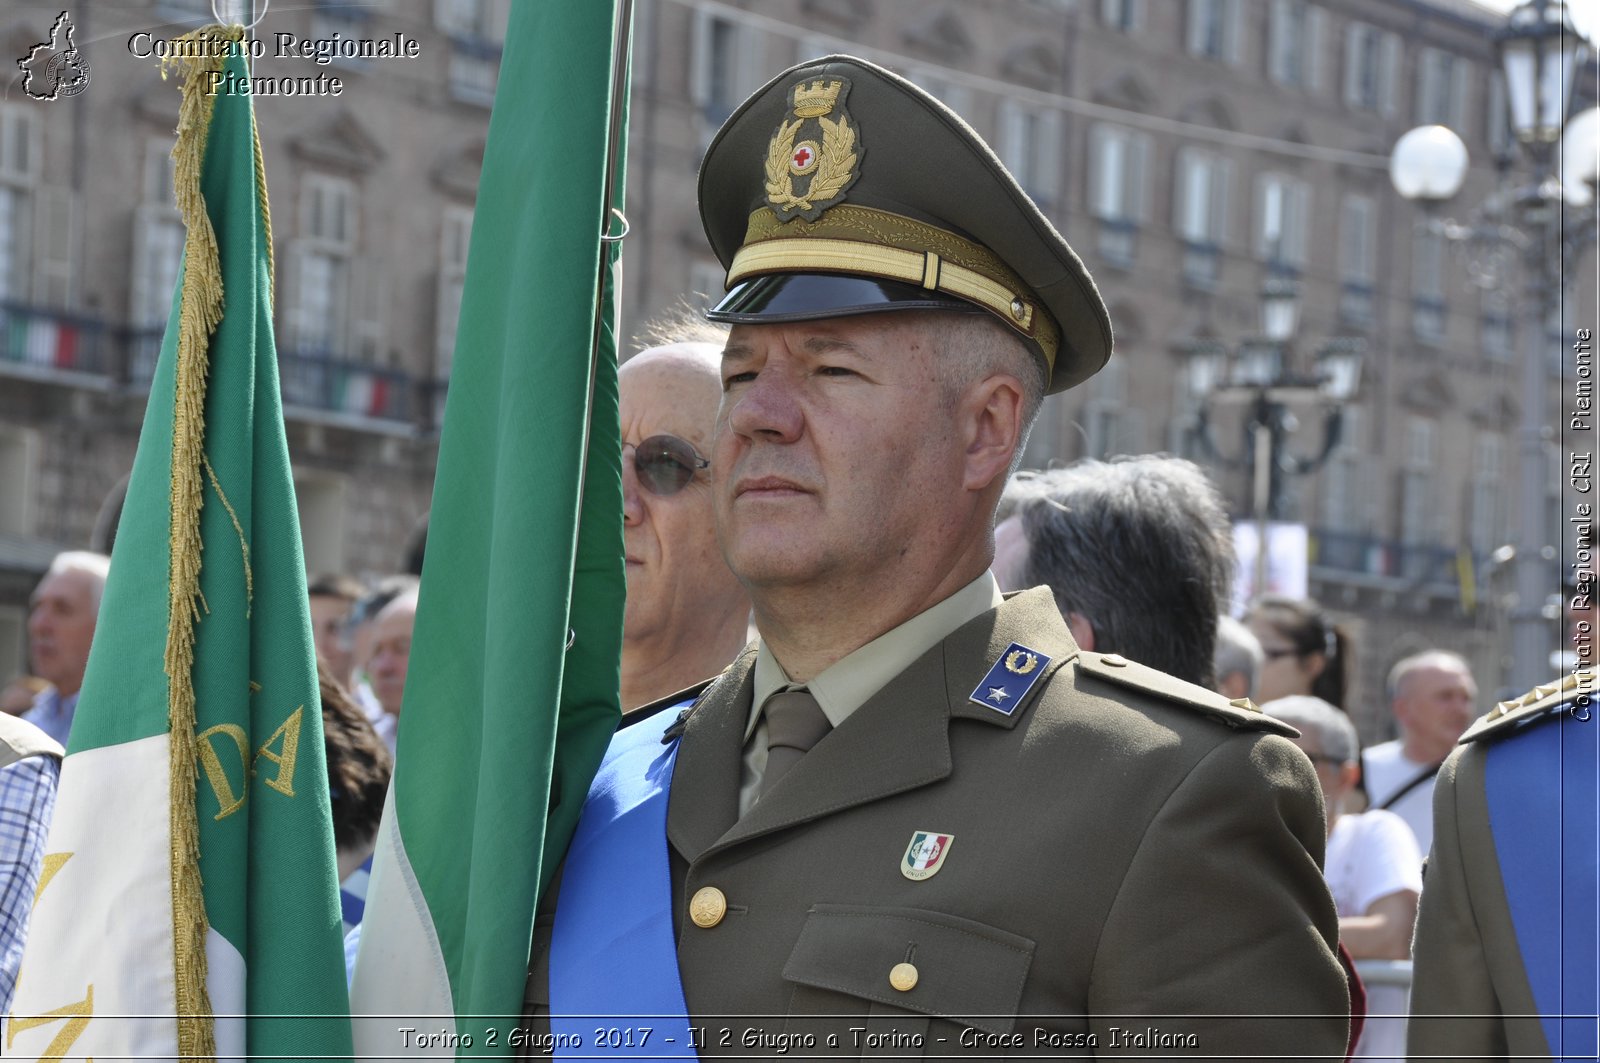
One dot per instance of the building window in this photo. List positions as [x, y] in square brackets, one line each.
[1294, 43]
[938, 84]
[1417, 476]
[1212, 31]
[1371, 62]
[1201, 213]
[1118, 159]
[1441, 88]
[455, 236]
[1427, 287]
[1123, 15]
[158, 238]
[320, 267]
[1486, 521]
[1113, 426]
[348, 20]
[727, 66]
[1283, 211]
[706, 281]
[1341, 488]
[477, 32]
[1357, 243]
[19, 167]
[1498, 332]
[1030, 147]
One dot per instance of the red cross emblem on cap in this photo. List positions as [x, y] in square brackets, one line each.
[803, 157]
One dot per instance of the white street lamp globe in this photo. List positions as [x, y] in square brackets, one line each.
[1580, 158]
[1428, 163]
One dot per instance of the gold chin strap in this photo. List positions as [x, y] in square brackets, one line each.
[863, 241]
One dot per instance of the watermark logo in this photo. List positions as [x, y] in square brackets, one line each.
[54, 68]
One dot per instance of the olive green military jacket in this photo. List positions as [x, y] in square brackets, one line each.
[1132, 865]
[1470, 995]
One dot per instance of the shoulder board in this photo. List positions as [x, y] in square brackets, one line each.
[1541, 701]
[20, 739]
[1242, 714]
[644, 712]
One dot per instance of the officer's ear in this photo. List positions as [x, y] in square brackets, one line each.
[990, 422]
[1082, 631]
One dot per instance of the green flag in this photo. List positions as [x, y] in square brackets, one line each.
[190, 892]
[512, 688]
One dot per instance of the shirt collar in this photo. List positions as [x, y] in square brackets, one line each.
[844, 686]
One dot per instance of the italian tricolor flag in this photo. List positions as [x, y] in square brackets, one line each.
[189, 902]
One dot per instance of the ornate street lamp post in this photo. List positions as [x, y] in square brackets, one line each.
[1540, 52]
[1263, 374]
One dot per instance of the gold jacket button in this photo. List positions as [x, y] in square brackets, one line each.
[1115, 660]
[707, 907]
[903, 976]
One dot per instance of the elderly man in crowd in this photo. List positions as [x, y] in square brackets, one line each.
[914, 799]
[30, 768]
[686, 615]
[1373, 865]
[61, 619]
[1138, 553]
[1238, 659]
[1432, 695]
[391, 657]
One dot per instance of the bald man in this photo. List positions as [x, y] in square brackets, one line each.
[687, 616]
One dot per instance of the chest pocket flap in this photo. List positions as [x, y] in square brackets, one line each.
[964, 971]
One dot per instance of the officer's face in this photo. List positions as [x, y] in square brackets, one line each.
[677, 581]
[835, 448]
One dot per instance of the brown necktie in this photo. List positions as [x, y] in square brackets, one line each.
[795, 723]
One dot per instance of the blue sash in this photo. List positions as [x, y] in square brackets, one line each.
[614, 984]
[1542, 790]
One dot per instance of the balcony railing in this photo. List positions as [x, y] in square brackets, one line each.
[1401, 565]
[317, 381]
[84, 351]
[46, 343]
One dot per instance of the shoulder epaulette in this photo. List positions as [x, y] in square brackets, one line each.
[1539, 702]
[1241, 713]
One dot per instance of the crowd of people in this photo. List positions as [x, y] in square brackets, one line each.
[843, 481]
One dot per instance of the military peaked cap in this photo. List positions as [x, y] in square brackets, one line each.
[840, 188]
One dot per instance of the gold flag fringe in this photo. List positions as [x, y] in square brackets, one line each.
[199, 313]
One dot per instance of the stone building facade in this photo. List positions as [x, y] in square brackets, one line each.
[1191, 150]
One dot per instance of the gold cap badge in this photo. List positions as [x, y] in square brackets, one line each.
[807, 175]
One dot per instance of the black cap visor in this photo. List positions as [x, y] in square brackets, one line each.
[779, 297]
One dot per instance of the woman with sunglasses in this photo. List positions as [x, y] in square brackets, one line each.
[687, 616]
[1304, 651]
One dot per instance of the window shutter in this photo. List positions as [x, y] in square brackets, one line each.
[1133, 201]
[1355, 47]
[1388, 74]
[1314, 46]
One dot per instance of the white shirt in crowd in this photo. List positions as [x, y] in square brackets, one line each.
[1386, 771]
[1370, 856]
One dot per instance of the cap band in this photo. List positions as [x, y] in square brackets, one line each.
[875, 243]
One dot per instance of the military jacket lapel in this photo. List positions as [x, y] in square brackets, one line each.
[704, 802]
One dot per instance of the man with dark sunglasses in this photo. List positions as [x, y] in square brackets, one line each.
[686, 617]
[915, 817]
